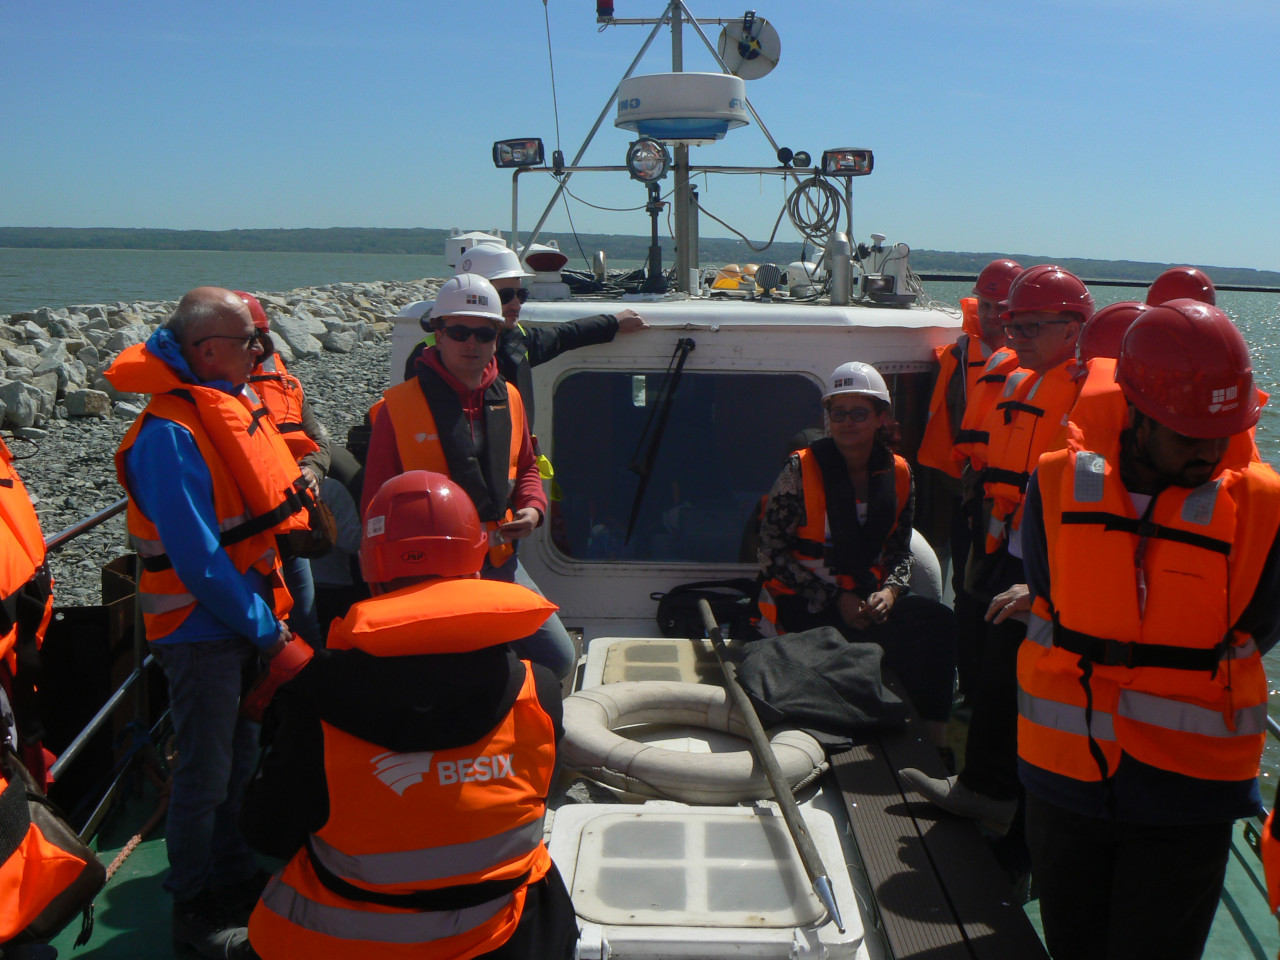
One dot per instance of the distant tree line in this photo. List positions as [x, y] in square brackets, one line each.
[579, 248]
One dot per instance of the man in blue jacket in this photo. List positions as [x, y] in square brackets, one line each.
[212, 607]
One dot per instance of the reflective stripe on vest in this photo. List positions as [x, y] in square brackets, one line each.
[353, 923]
[433, 863]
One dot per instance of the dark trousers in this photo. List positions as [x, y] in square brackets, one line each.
[991, 750]
[1125, 891]
[968, 610]
[919, 641]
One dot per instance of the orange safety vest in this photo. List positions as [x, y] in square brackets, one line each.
[22, 557]
[1029, 419]
[964, 367]
[435, 848]
[34, 869]
[420, 448]
[815, 546]
[281, 393]
[1124, 656]
[984, 390]
[258, 490]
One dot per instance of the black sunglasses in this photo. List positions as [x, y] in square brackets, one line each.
[245, 340]
[462, 334]
[519, 293]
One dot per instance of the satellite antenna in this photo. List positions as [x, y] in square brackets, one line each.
[749, 47]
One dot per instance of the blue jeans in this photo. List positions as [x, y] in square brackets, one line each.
[302, 617]
[216, 752]
[550, 645]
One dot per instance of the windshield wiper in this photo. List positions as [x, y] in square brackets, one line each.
[647, 448]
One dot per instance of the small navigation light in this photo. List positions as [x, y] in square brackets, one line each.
[517, 153]
[847, 162]
[647, 160]
[802, 158]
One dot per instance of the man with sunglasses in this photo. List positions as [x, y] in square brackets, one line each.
[211, 484]
[458, 416]
[1043, 315]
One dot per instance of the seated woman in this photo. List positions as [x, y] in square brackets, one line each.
[835, 545]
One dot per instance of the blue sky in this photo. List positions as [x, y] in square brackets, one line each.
[1123, 129]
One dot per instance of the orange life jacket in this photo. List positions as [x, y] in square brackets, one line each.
[1029, 419]
[420, 447]
[815, 543]
[281, 392]
[34, 869]
[436, 848]
[258, 490]
[984, 389]
[1139, 655]
[22, 558]
[964, 368]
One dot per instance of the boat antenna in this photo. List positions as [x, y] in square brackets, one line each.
[555, 103]
[613, 96]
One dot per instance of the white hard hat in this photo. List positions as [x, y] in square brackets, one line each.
[467, 295]
[857, 377]
[491, 261]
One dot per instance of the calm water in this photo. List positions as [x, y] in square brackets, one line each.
[55, 278]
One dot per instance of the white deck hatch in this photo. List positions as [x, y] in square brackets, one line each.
[665, 880]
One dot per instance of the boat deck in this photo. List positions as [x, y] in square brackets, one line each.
[940, 892]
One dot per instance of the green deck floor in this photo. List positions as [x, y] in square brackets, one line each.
[131, 917]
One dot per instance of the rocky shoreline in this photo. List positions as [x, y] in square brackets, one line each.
[63, 421]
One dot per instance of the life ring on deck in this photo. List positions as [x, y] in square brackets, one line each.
[592, 746]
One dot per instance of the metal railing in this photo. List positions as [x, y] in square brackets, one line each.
[132, 684]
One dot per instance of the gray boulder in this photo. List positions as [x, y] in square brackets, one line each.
[126, 337]
[21, 404]
[297, 335]
[340, 341]
[88, 403]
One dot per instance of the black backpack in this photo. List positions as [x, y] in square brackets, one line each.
[732, 601]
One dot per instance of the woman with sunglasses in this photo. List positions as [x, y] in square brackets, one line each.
[521, 348]
[835, 545]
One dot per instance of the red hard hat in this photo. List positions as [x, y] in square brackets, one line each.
[1048, 289]
[1178, 283]
[1185, 365]
[1101, 336]
[255, 310]
[421, 524]
[994, 280]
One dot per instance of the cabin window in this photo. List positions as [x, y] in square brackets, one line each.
[725, 440]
